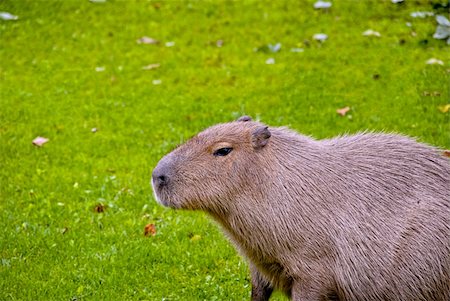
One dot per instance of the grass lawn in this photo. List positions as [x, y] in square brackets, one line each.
[73, 211]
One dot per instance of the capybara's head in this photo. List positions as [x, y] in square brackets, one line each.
[211, 169]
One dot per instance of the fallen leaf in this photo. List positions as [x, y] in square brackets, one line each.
[343, 111]
[444, 108]
[371, 33]
[421, 14]
[322, 4]
[39, 141]
[442, 32]
[147, 40]
[434, 61]
[446, 153]
[321, 37]
[99, 208]
[150, 230]
[443, 29]
[443, 21]
[274, 48]
[434, 93]
[7, 16]
[270, 61]
[151, 67]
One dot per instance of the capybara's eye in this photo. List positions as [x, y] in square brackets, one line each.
[223, 151]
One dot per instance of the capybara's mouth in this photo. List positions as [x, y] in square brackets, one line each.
[159, 195]
[162, 196]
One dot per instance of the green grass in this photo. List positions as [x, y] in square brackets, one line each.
[54, 246]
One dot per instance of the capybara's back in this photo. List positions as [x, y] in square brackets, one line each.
[361, 217]
[391, 217]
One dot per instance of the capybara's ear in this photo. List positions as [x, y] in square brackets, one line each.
[260, 137]
[244, 118]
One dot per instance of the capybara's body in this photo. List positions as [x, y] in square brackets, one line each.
[363, 217]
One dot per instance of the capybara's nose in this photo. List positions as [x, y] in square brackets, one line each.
[162, 180]
[160, 176]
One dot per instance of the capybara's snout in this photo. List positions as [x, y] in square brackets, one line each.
[160, 176]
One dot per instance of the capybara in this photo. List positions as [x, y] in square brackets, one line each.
[357, 217]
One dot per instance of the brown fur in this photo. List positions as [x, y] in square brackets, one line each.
[363, 217]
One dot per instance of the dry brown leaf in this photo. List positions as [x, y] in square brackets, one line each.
[39, 141]
[99, 208]
[433, 93]
[147, 40]
[371, 33]
[434, 61]
[446, 153]
[151, 67]
[150, 230]
[343, 111]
